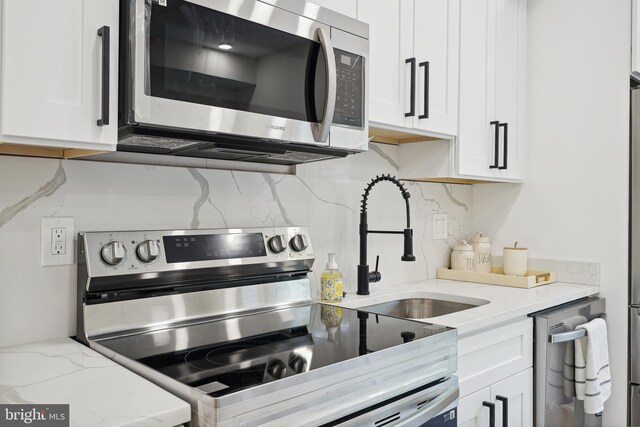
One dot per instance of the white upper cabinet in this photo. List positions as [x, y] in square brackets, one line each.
[491, 139]
[490, 142]
[390, 49]
[635, 39]
[414, 63]
[53, 69]
[510, 87]
[346, 7]
[435, 46]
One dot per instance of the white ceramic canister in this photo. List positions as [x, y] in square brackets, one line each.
[462, 257]
[482, 251]
[515, 261]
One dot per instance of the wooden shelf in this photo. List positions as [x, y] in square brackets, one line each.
[50, 152]
[389, 136]
[450, 180]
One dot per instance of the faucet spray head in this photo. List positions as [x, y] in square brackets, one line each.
[408, 246]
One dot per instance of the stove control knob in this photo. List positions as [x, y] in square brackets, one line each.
[277, 244]
[148, 251]
[408, 336]
[297, 363]
[113, 253]
[299, 242]
[276, 368]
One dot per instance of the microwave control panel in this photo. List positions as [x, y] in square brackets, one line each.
[350, 93]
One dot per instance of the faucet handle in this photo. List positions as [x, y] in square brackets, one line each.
[375, 276]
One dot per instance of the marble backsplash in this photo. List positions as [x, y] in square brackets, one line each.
[39, 302]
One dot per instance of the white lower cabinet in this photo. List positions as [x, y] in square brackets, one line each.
[471, 412]
[512, 397]
[495, 370]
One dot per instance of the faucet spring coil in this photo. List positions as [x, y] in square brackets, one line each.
[377, 179]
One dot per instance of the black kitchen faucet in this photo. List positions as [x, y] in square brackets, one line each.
[364, 276]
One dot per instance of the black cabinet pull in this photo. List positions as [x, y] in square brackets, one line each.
[505, 410]
[105, 33]
[425, 64]
[412, 108]
[492, 412]
[497, 144]
[506, 144]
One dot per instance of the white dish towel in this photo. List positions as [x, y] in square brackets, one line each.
[593, 378]
[569, 368]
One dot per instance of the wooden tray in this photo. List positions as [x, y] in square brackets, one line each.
[497, 277]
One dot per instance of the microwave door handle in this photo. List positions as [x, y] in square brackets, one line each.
[321, 130]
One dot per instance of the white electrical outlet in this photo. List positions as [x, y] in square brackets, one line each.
[439, 227]
[57, 241]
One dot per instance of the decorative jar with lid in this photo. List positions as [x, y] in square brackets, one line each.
[462, 257]
[482, 251]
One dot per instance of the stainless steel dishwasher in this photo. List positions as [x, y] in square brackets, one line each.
[554, 398]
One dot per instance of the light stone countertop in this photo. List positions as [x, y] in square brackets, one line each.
[99, 391]
[505, 303]
[103, 393]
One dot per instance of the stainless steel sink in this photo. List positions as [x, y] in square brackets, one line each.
[419, 308]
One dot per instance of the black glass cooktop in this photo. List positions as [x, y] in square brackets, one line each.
[225, 356]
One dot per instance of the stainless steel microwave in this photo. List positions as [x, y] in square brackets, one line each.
[272, 81]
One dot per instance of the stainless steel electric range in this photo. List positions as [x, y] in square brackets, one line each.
[224, 319]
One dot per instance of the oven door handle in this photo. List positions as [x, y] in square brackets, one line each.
[321, 130]
[432, 409]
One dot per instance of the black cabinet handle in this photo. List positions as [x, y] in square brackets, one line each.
[425, 64]
[492, 412]
[497, 145]
[105, 33]
[506, 144]
[412, 108]
[505, 410]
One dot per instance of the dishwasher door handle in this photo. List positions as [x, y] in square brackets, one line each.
[567, 336]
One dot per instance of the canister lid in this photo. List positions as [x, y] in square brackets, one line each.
[463, 246]
[480, 238]
[515, 247]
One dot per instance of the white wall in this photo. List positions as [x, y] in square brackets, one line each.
[38, 303]
[573, 204]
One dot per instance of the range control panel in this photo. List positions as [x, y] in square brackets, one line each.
[126, 252]
[350, 89]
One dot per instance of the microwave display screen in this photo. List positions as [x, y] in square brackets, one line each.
[350, 94]
[208, 247]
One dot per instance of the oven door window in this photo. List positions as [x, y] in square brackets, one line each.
[202, 56]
